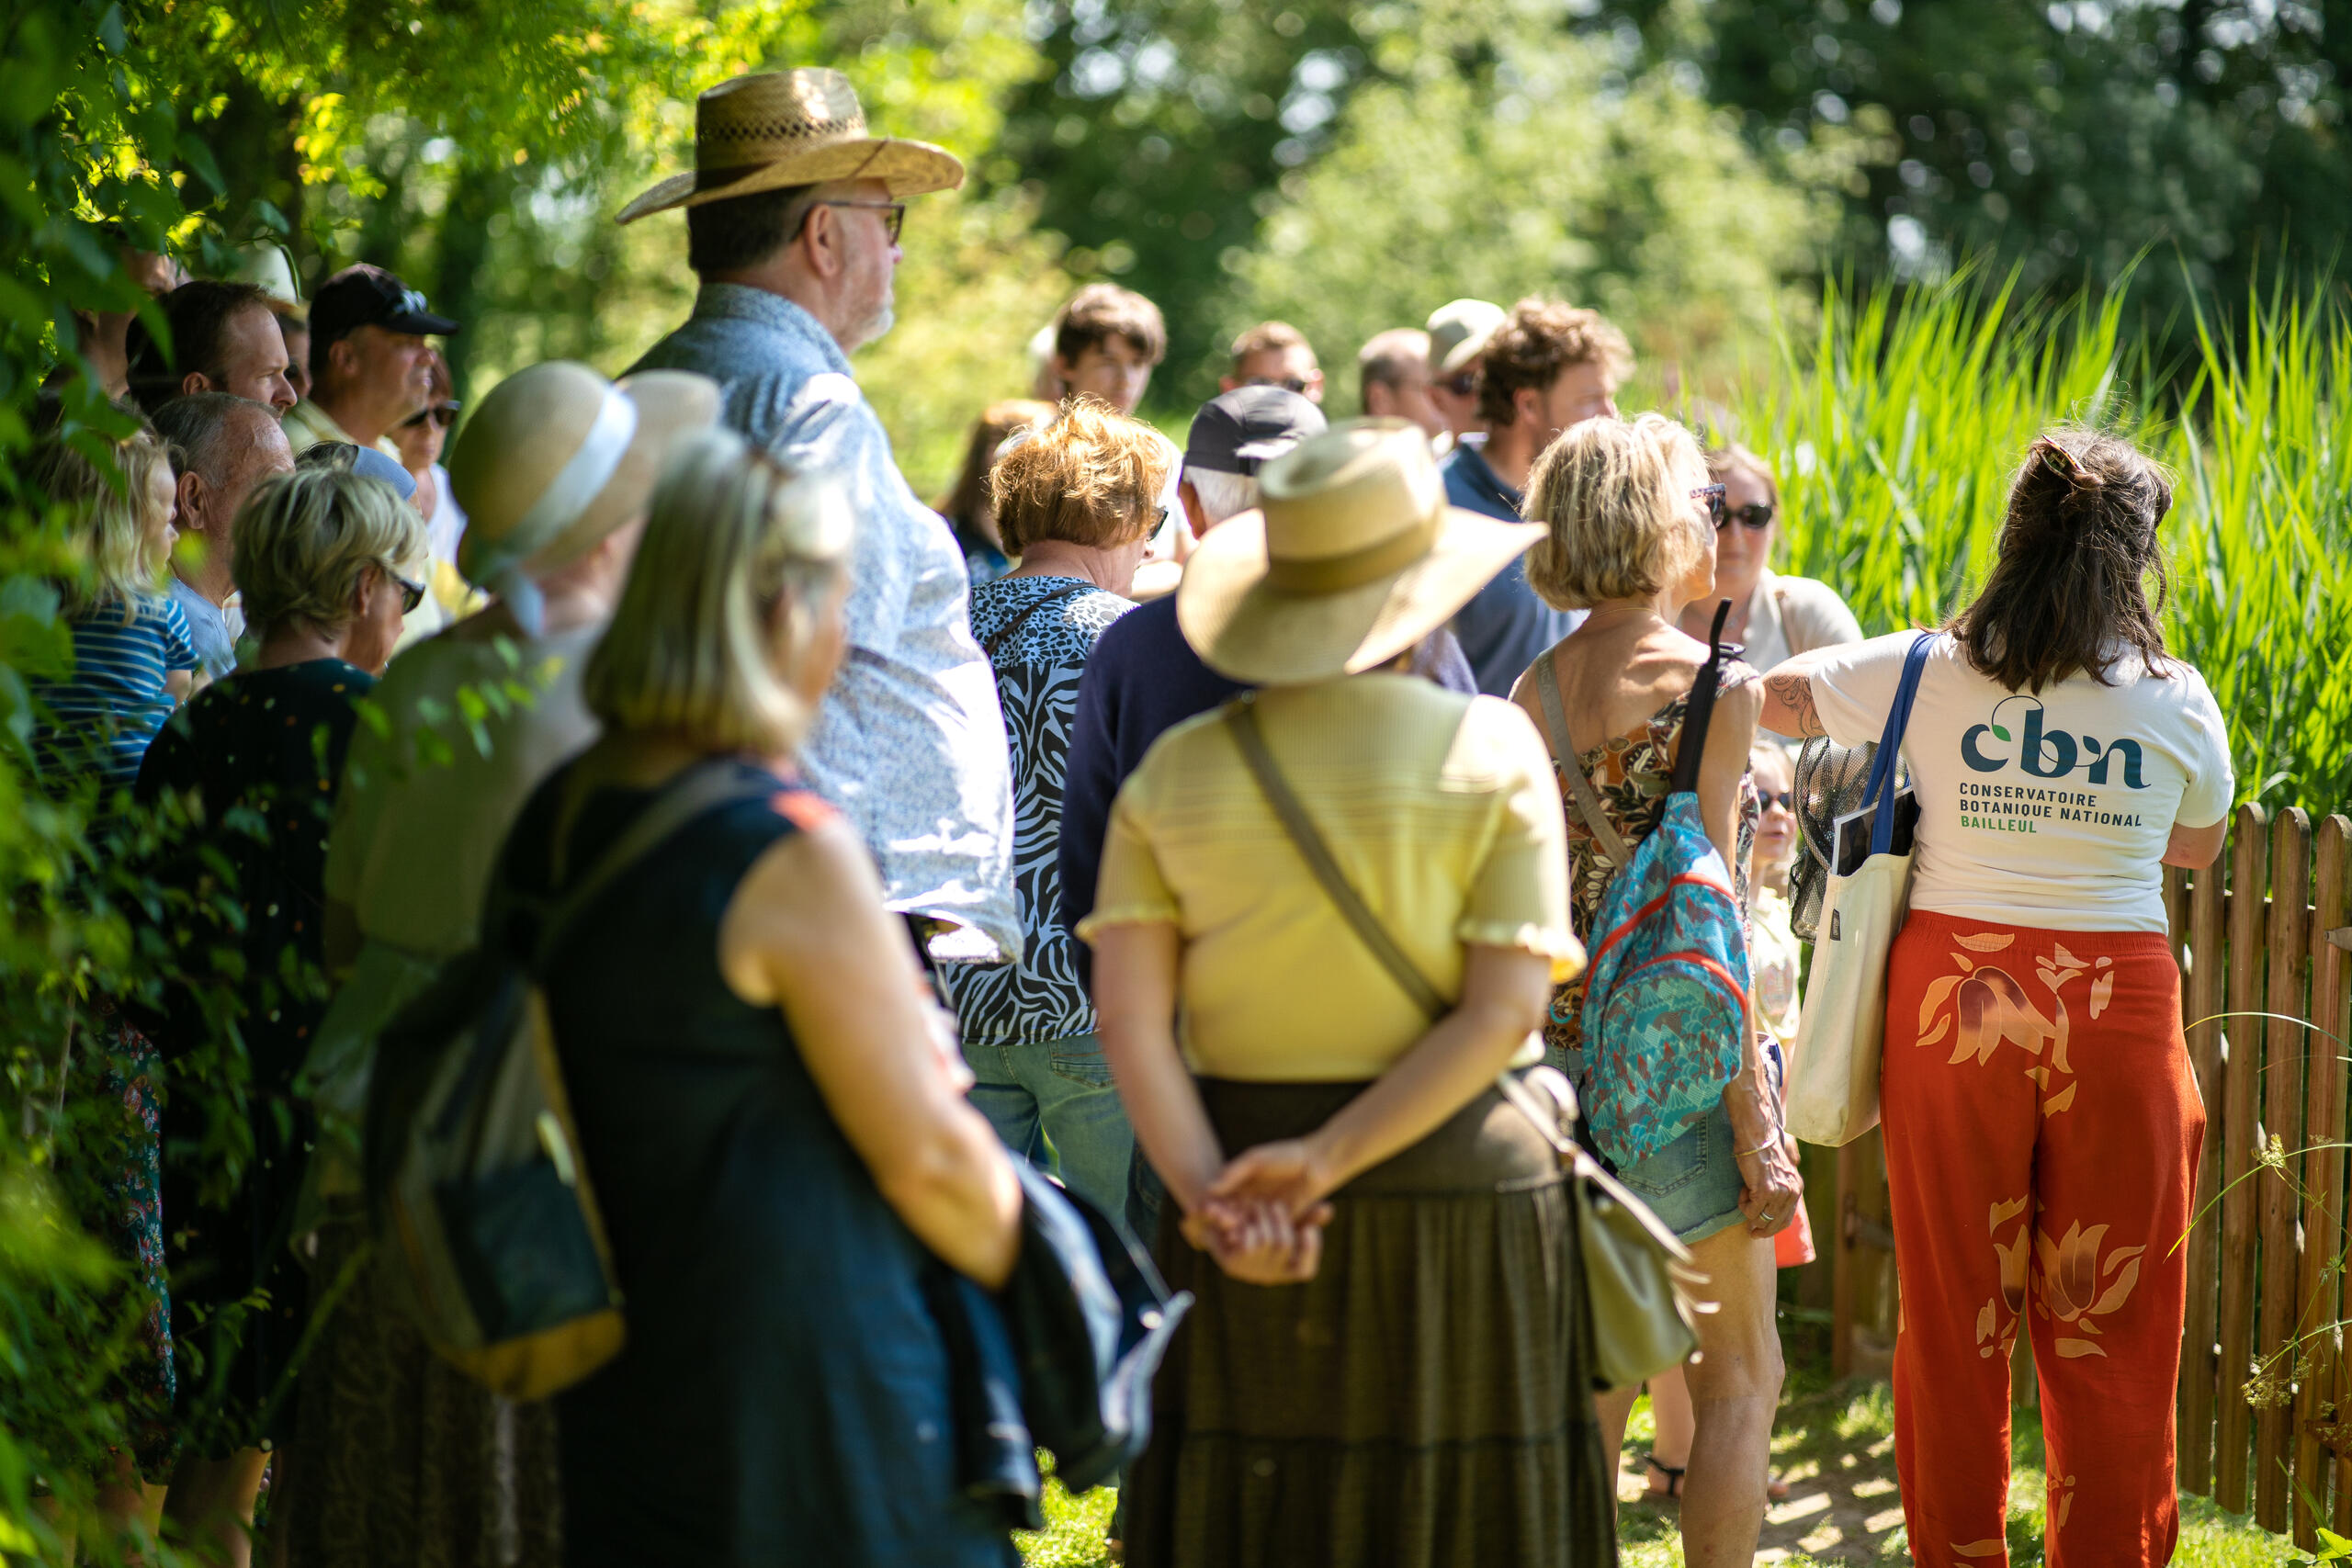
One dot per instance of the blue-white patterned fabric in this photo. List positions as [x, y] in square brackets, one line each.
[104, 715]
[908, 743]
[1037, 669]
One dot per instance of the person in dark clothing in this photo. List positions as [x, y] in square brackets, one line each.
[254, 763]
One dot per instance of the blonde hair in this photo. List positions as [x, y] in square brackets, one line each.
[1089, 478]
[302, 541]
[111, 514]
[736, 546]
[1613, 495]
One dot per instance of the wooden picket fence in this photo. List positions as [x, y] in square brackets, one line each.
[2267, 932]
[2265, 936]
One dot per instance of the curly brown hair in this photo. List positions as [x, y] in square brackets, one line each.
[1090, 477]
[1539, 340]
[2068, 593]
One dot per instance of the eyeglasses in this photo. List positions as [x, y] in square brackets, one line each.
[1460, 386]
[1756, 516]
[411, 594]
[1785, 799]
[894, 214]
[443, 415]
[1713, 496]
[1287, 383]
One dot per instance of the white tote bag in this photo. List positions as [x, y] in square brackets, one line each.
[1833, 1084]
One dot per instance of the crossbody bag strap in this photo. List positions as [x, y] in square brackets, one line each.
[1588, 807]
[1003, 634]
[1241, 717]
[1701, 714]
[703, 787]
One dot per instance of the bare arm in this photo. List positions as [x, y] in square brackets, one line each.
[1731, 735]
[2194, 849]
[1134, 996]
[807, 932]
[1788, 695]
[1504, 993]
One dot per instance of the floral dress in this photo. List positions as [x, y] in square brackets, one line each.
[1633, 773]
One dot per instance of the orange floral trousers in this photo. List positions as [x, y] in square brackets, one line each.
[2043, 1127]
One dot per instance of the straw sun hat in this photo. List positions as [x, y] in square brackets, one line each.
[556, 460]
[792, 128]
[1352, 556]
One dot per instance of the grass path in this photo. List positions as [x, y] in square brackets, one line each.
[1835, 1445]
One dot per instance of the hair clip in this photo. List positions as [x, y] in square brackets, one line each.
[2067, 462]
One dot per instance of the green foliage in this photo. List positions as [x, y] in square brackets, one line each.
[1544, 171]
[1895, 430]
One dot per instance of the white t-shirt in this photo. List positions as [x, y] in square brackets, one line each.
[2049, 812]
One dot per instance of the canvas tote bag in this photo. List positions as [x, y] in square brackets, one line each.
[1833, 1084]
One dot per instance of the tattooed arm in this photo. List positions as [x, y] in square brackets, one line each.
[1788, 697]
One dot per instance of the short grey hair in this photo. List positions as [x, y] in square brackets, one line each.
[196, 426]
[1222, 495]
[303, 540]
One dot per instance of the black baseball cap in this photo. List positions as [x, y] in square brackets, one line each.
[1236, 430]
[366, 295]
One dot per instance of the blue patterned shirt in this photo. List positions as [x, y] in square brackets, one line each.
[909, 742]
[103, 717]
[1037, 666]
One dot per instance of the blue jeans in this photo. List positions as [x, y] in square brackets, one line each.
[1052, 1102]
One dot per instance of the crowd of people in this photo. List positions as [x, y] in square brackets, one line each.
[1053, 826]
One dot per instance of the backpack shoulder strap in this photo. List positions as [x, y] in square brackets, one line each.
[703, 787]
[1003, 634]
[1588, 807]
[1702, 711]
[1241, 718]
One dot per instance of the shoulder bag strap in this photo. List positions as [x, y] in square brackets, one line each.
[1885, 765]
[1588, 807]
[1003, 634]
[1702, 711]
[1241, 717]
[704, 787]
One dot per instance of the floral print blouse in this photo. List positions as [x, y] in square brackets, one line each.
[1633, 773]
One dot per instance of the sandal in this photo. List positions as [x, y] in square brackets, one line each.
[1672, 1489]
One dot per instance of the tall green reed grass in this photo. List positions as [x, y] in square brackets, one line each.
[1896, 428]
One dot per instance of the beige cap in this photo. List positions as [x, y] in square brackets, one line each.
[1458, 333]
[792, 128]
[556, 457]
[1352, 558]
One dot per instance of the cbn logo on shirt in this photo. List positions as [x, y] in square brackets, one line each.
[2044, 753]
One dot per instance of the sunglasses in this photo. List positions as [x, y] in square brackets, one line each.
[1460, 386]
[894, 214]
[1287, 383]
[443, 415]
[1713, 496]
[411, 594]
[1785, 799]
[1756, 516]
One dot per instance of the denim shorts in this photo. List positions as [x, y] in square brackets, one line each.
[1692, 1184]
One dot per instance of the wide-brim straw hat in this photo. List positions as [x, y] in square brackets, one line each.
[1352, 556]
[556, 457]
[792, 128]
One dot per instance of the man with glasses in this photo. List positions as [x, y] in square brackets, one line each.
[793, 214]
[1458, 331]
[368, 360]
[1546, 366]
[1275, 354]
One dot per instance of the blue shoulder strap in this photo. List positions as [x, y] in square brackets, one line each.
[1881, 789]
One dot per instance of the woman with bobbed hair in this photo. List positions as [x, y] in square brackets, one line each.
[1075, 498]
[1772, 615]
[2043, 1122]
[772, 1115]
[1630, 536]
[254, 763]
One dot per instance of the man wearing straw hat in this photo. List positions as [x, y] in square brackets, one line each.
[792, 226]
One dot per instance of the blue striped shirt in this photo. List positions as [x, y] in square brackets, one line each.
[102, 717]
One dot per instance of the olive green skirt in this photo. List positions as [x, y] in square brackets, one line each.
[1424, 1402]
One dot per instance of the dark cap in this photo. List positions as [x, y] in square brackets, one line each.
[366, 295]
[1236, 430]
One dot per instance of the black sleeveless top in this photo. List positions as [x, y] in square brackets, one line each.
[783, 1395]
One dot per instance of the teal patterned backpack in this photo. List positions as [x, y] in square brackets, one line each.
[1666, 999]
